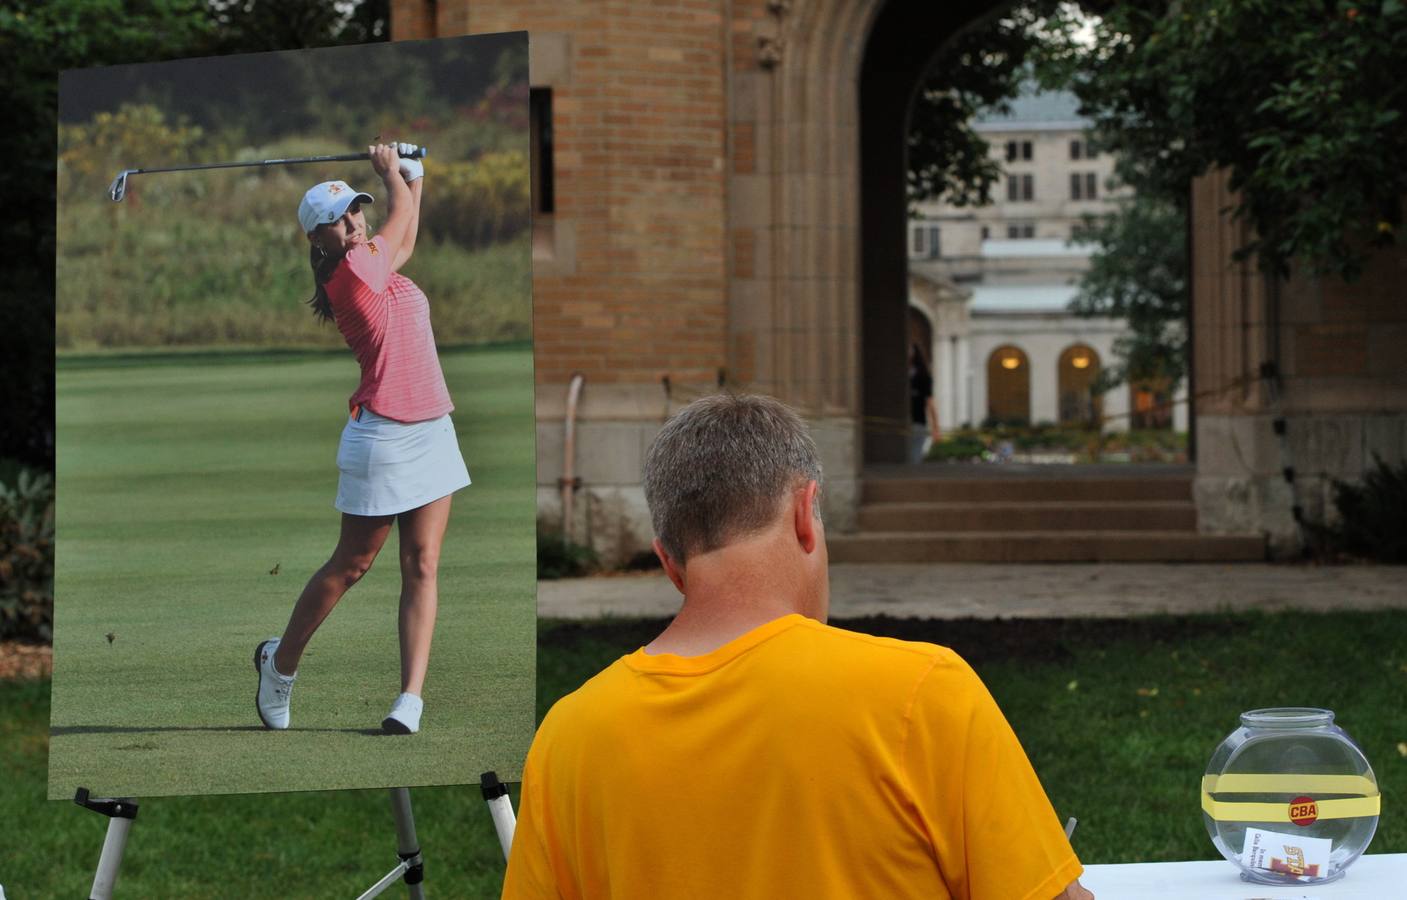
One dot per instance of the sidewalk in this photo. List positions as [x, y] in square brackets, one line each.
[987, 590]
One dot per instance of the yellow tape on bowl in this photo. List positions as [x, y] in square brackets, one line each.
[1359, 785]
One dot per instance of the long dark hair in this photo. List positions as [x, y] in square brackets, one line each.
[323, 267]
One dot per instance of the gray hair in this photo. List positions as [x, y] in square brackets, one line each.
[719, 468]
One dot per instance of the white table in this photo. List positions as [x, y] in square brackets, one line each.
[1381, 876]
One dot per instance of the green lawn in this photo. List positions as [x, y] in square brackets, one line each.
[1109, 750]
[187, 481]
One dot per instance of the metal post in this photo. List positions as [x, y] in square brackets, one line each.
[407, 845]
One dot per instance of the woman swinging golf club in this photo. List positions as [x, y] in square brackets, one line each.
[399, 458]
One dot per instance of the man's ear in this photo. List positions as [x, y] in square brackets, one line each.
[805, 519]
[671, 568]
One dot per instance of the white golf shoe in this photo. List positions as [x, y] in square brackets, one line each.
[274, 687]
[404, 717]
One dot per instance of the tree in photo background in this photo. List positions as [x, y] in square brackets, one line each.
[217, 258]
[42, 38]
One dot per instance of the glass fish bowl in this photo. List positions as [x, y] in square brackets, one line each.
[1289, 798]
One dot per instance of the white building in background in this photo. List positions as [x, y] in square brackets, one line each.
[990, 287]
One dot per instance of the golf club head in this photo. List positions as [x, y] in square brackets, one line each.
[118, 189]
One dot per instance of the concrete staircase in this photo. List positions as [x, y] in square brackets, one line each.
[1034, 514]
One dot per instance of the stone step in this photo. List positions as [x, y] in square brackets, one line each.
[1077, 515]
[1026, 490]
[1037, 546]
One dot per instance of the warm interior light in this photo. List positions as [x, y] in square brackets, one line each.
[1011, 362]
[1080, 362]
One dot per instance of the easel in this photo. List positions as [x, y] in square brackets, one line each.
[122, 813]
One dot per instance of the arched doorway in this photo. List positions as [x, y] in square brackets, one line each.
[903, 40]
[1009, 386]
[1077, 372]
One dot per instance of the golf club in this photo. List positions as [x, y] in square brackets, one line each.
[118, 189]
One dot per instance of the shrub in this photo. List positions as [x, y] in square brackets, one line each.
[481, 202]
[960, 447]
[90, 154]
[558, 558]
[27, 557]
[1373, 513]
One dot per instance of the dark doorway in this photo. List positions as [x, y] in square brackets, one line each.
[907, 34]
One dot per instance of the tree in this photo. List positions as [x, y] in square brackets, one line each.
[249, 26]
[981, 71]
[1138, 273]
[40, 38]
[1301, 101]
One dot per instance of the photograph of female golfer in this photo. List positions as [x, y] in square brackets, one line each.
[264, 445]
[399, 458]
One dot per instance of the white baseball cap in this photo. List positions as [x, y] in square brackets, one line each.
[327, 202]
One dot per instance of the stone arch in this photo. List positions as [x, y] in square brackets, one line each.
[796, 321]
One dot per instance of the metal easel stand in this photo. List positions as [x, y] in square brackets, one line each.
[121, 814]
[411, 866]
[500, 808]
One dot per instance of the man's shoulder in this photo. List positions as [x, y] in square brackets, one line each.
[856, 648]
[591, 696]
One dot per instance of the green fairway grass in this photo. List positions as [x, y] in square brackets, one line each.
[195, 500]
[1123, 759]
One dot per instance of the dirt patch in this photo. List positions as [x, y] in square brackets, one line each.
[25, 660]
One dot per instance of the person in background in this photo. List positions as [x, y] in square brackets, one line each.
[920, 403]
[751, 750]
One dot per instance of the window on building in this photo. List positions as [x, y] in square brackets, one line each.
[1020, 230]
[986, 232]
[924, 240]
[540, 142]
[1076, 149]
[1018, 150]
[1084, 186]
[1020, 187]
[1008, 386]
[1078, 370]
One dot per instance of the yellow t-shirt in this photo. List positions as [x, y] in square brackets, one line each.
[798, 760]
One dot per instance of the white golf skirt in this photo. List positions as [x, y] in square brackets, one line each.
[389, 467]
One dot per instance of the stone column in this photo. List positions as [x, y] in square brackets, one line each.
[943, 392]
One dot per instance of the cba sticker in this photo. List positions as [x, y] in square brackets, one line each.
[1303, 811]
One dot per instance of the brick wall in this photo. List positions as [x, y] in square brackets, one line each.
[639, 108]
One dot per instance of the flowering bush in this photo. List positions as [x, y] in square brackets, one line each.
[27, 557]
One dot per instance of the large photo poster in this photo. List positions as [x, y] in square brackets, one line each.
[294, 422]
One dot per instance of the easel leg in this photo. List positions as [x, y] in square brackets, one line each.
[111, 860]
[500, 808]
[411, 866]
[407, 845]
[120, 814]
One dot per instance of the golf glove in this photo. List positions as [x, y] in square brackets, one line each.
[411, 169]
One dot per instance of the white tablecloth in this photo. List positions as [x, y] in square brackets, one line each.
[1381, 876]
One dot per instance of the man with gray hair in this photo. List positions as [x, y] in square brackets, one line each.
[750, 750]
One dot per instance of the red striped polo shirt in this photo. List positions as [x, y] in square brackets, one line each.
[385, 319]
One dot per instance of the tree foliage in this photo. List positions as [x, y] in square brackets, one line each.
[40, 38]
[980, 71]
[1138, 273]
[1301, 101]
